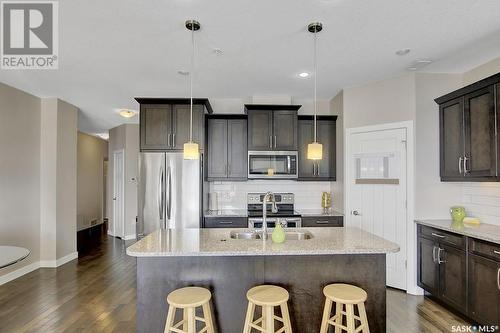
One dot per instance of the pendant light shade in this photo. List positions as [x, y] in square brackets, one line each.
[191, 149]
[315, 149]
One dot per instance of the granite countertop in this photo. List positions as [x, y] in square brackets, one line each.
[217, 242]
[226, 213]
[318, 212]
[484, 231]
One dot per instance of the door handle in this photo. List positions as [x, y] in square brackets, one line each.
[275, 141]
[173, 140]
[160, 195]
[169, 201]
[460, 161]
[438, 235]
[355, 212]
[270, 141]
[439, 256]
[498, 278]
[434, 254]
[317, 169]
[168, 143]
[465, 165]
[496, 252]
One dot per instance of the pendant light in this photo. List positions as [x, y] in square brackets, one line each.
[191, 149]
[315, 149]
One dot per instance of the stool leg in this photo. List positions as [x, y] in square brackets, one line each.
[350, 318]
[338, 313]
[184, 326]
[191, 321]
[269, 310]
[286, 318]
[207, 315]
[170, 318]
[326, 315]
[364, 319]
[249, 318]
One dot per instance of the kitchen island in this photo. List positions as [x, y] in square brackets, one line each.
[171, 259]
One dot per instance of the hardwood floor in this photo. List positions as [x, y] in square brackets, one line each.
[96, 293]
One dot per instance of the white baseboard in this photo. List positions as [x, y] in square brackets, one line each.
[129, 237]
[19, 272]
[59, 262]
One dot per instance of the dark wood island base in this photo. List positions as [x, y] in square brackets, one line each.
[229, 278]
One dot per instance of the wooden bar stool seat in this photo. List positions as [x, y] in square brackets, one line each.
[268, 297]
[348, 296]
[188, 299]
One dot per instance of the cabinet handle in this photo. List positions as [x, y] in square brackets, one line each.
[228, 169]
[438, 235]
[498, 279]
[439, 256]
[465, 165]
[169, 139]
[460, 161]
[322, 222]
[496, 252]
[225, 222]
[317, 169]
[270, 141]
[433, 254]
[173, 140]
[275, 141]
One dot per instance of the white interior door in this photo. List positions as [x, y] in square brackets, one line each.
[377, 194]
[118, 194]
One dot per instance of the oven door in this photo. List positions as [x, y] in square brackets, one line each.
[272, 164]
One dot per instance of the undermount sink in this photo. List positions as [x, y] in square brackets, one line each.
[289, 235]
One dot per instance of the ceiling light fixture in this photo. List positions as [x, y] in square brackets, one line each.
[315, 149]
[127, 113]
[304, 74]
[191, 149]
[402, 52]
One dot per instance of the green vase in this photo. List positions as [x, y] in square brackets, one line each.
[457, 213]
[278, 235]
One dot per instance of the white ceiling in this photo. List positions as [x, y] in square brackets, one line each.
[114, 50]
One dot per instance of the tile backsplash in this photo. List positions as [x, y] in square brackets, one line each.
[482, 200]
[233, 195]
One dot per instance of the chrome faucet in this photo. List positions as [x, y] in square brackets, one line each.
[269, 196]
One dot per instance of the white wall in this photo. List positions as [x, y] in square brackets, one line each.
[124, 137]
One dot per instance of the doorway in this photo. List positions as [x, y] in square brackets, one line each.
[377, 190]
[118, 193]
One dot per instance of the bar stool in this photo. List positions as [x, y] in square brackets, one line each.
[188, 299]
[344, 294]
[268, 297]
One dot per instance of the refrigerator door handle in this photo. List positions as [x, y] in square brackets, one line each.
[160, 195]
[169, 189]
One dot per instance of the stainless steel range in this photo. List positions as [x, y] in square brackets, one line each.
[286, 214]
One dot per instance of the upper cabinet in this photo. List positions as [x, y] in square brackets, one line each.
[324, 169]
[226, 147]
[469, 143]
[272, 127]
[165, 122]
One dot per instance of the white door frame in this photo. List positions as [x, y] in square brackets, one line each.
[411, 230]
[122, 151]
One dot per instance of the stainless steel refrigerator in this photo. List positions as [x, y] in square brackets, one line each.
[170, 192]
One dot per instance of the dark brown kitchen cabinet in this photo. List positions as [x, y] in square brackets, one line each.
[469, 142]
[441, 270]
[322, 221]
[227, 148]
[225, 222]
[272, 127]
[484, 290]
[165, 123]
[324, 169]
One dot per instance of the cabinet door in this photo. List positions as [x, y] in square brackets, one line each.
[260, 125]
[428, 269]
[217, 148]
[322, 221]
[181, 124]
[305, 137]
[452, 276]
[480, 140]
[237, 154]
[285, 130]
[452, 139]
[484, 290]
[326, 136]
[226, 222]
[155, 126]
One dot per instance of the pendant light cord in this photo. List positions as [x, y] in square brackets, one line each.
[315, 80]
[191, 84]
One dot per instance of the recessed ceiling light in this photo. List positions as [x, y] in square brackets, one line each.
[304, 74]
[182, 72]
[412, 68]
[402, 52]
[423, 61]
[125, 113]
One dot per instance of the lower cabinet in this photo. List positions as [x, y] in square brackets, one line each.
[322, 221]
[225, 222]
[468, 280]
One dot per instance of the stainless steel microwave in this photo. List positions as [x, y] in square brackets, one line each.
[272, 165]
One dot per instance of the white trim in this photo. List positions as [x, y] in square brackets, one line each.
[59, 262]
[129, 237]
[411, 234]
[19, 272]
[122, 151]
